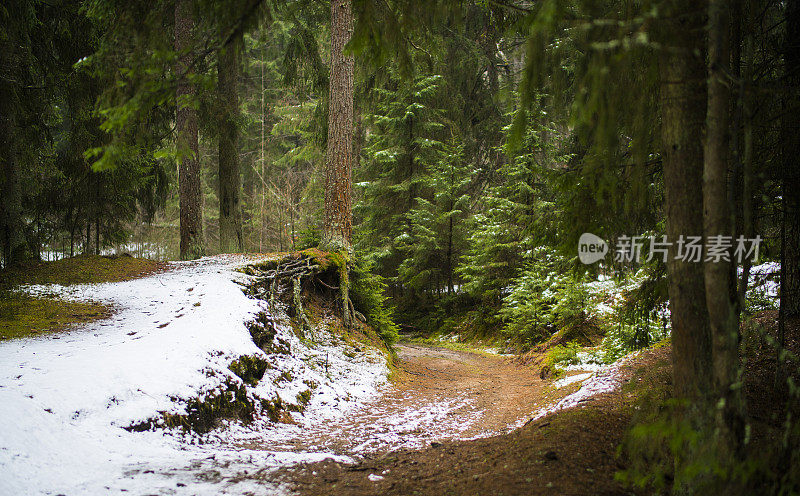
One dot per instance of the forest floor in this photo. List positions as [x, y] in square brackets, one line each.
[453, 421]
[570, 451]
[439, 394]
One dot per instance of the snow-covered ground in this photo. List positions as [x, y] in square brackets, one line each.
[65, 398]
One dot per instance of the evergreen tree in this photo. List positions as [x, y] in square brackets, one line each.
[191, 200]
[337, 222]
[230, 210]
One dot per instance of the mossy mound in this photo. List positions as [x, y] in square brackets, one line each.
[229, 401]
[263, 332]
[79, 270]
[24, 316]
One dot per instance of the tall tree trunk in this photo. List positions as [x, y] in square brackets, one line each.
[337, 226]
[790, 270]
[186, 124]
[683, 104]
[230, 211]
[11, 232]
[719, 222]
[683, 112]
[748, 206]
[790, 191]
[261, 162]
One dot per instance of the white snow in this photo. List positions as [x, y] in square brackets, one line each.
[66, 398]
[571, 379]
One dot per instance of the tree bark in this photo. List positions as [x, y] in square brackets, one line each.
[337, 225]
[11, 226]
[683, 111]
[230, 210]
[683, 104]
[718, 221]
[790, 270]
[186, 125]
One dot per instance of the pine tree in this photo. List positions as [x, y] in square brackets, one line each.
[230, 210]
[186, 124]
[337, 222]
[404, 143]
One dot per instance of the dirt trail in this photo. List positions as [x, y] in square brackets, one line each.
[440, 394]
[572, 451]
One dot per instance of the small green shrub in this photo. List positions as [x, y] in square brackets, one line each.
[544, 299]
[563, 355]
[367, 290]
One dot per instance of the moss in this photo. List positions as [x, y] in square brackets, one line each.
[286, 376]
[319, 257]
[24, 316]
[303, 397]
[229, 401]
[249, 368]
[278, 411]
[79, 270]
[262, 331]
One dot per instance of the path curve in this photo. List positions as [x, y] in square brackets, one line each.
[440, 394]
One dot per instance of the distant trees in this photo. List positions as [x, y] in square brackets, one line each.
[14, 248]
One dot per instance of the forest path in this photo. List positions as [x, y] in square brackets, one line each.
[440, 394]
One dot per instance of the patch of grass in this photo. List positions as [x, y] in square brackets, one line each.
[24, 316]
[79, 270]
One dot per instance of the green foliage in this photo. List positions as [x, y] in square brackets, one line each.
[543, 300]
[641, 319]
[367, 290]
[562, 355]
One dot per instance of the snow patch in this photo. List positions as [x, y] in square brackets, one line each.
[66, 398]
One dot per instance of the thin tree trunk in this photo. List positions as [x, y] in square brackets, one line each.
[186, 125]
[748, 227]
[230, 213]
[96, 176]
[718, 221]
[263, 169]
[337, 226]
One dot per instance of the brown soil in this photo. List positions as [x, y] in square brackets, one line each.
[439, 394]
[569, 452]
[572, 451]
